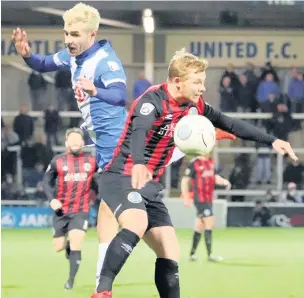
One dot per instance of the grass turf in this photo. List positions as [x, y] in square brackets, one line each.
[259, 263]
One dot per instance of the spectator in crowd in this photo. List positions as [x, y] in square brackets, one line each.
[10, 190]
[296, 93]
[251, 76]
[43, 152]
[52, 123]
[140, 85]
[24, 124]
[291, 195]
[263, 164]
[37, 85]
[8, 159]
[28, 157]
[63, 87]
[240, 175]
[269, 69]
[234, 80]
[294, 172]
[270, 197]
[228, 102]
[245, 95]
[267, 91]
[40, 195]
[261, 215]
[281, 122]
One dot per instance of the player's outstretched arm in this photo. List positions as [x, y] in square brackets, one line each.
[246, 131]
[185, 190]
[219, 180]
[41, 63]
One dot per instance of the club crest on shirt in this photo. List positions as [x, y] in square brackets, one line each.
[193, 111]
[87, 167]
[114, 66]
[146, 108]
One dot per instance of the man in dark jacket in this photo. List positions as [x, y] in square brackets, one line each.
[37, 85]
[51, 125]
[24, 124]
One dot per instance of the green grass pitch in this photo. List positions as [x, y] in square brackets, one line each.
[259, 263]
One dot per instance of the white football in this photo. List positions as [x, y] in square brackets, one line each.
[195, 134]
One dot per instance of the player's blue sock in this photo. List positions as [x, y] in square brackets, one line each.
[117, 253]
[167, 278]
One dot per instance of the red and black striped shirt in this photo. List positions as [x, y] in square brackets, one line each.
[68, 178]
[152, 118]
[201, 171]
[148, 134]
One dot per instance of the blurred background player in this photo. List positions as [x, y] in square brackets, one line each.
[99, 83]
[71, 174]
[201, 175]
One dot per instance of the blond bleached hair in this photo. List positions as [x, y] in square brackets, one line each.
[184, 62]
[83, 13]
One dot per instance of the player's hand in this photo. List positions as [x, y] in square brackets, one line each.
[227, 184]
[140, 176]
[87, 86]
[283, 148]
[188, 202]
[55, 204]
[21, 43]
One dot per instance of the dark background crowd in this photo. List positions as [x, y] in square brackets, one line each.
[252, 90]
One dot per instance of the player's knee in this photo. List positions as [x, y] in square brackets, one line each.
[199, 225]
[135, 220]
[209, 223]
[59, 247]
[166, 277]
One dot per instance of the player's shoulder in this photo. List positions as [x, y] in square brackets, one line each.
[149, 101]
[59, 156]
[154, 94]
[106, 58]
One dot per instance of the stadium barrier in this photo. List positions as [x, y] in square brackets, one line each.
[23, 214]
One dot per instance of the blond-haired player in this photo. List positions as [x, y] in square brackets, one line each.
[130, 181]
[99, 83]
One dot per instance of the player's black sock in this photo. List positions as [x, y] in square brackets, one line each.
[67, 249]
[167, 278]
[195, 242]
[117, 253]
[208, 241]
[75, 259]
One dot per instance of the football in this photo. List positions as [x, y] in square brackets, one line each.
[195, 135]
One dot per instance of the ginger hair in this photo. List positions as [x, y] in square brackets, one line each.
[184, 62]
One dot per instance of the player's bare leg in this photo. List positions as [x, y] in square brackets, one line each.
[209, 225]
[164, 243]
[107, 228]
[198, 229]
[76, 239]
[59, 243]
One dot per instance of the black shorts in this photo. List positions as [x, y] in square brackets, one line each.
[203, 209]
[119, 195]
[67, 222]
